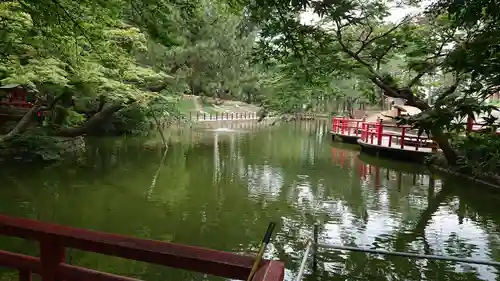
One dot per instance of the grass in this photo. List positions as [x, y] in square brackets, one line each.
[186, 106]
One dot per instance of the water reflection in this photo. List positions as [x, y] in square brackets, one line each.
[220, 190]
[405, 211]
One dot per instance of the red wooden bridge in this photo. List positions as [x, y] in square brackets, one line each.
[390, 140]
[54, 239]
[382, 134]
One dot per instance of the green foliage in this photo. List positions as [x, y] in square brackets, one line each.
[450, 113]
[133, 120]
[53, 50]
[31, 147]
[480, 153]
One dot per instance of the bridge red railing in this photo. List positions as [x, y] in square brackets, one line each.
[346, 126]
[54, 239]
[381, 134]
[391, 135]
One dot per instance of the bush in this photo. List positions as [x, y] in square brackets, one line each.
[28, 148]
[133, 120]
[479, 153]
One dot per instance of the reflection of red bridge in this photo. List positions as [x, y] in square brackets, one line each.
[344, 157]
[54, 239]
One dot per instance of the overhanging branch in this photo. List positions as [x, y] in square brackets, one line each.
[365, 44]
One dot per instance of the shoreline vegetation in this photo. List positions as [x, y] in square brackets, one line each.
[101, 68]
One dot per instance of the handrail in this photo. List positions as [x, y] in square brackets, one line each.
[304, 260]
[409, 255]
[54, 239]
[373, 133]
[382, 252]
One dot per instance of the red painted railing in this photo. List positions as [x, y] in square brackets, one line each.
[378, 133]
[394, 136]
[346, 126]
[54, 239]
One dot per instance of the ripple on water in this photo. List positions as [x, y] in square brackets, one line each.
[222, 192]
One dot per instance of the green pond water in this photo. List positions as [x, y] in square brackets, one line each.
[220, 189]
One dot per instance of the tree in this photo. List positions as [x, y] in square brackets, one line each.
[350, 32]
[95, 66]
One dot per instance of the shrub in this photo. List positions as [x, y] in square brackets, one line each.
[479, 153]
[27, 148]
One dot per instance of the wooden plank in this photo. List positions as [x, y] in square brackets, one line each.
[21, 262]
[204, 260]
[28, 264]
[75, 273]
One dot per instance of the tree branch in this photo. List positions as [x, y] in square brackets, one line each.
[418, 76]
[23, 124]
[426, 70]
[92, 123]
[365, 44]
[374, 77]
[450, 90]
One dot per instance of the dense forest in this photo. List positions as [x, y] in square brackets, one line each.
[86, 65]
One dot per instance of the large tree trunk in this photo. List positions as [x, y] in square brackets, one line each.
[444, 144]
[93, 123]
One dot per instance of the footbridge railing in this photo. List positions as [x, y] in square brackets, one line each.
[382, 134]
[53, 240]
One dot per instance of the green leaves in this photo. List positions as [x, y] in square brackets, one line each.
[36, 73]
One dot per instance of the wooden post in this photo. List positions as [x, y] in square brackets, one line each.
[371, 134]
[379, 133]
[402, 139]
[24, 275]
[52, 253]
[364, 133]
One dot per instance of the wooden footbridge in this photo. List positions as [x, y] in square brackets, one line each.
[383, 139]
[388, 139]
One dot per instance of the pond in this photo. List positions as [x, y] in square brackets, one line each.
[221, 188]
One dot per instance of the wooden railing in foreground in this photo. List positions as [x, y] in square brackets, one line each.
[54, 239]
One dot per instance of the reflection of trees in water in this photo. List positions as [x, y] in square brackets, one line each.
[411, 233]
[289, 174]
